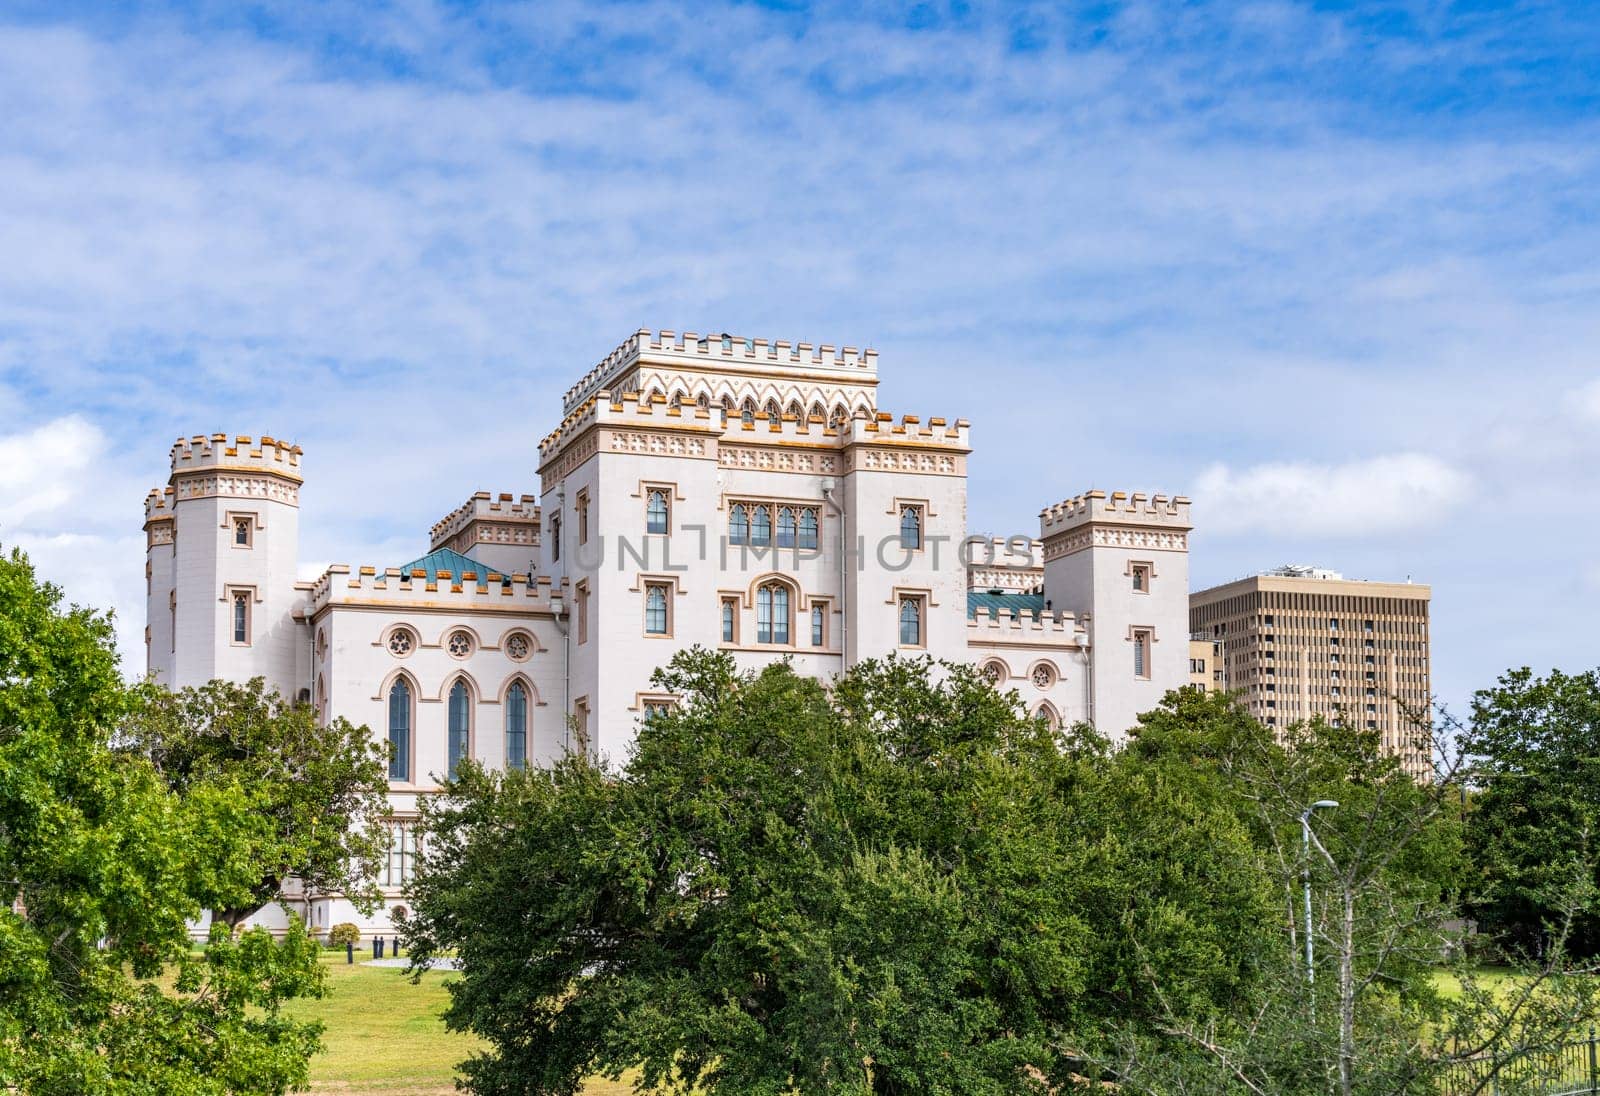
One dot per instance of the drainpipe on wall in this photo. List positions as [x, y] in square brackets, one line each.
[844, 603]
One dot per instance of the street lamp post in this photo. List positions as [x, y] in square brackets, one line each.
[1305, 875]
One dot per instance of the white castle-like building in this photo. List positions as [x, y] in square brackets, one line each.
[737, 494]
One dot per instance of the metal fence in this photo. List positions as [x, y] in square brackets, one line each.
[1570, 1069]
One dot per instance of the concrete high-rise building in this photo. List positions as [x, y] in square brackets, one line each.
[1296, 642]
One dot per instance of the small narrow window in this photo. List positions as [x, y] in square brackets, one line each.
[241, 618]
[656, 512]
[910, 527]
[399, 731]
[761, 527]
[241, 532]
[1141, 578]
[808, 528]
[583, 517]
[739, 525]
[773, 417]
[747, 413]
[1141, 654]
[655, 609]
[516, 726]
[730, 620]
[819, 625]
[460, 725]
[583, 613]
[910, 622]
[555, 538]
[580, 719]
[656, 709]
[786, 528]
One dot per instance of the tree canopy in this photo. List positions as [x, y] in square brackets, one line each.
[322, 788]
[899, 883]
[102, 866]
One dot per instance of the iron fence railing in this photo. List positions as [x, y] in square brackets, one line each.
[1569, 1069]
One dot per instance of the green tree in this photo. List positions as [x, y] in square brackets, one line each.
[322, 788]
[1387, 871]
[901, 885]
[1535, 822]
[101, 867]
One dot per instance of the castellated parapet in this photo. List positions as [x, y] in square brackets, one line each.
[720, 353]
[409, 590]
[1002, 627]
[488, 519]
[202, 453]
[1127, 520]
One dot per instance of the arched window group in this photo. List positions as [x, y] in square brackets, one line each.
[460, 713]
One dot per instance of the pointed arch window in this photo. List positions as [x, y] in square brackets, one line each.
[761, 527]
[818, 413]
[910, 527]
[808, 528]
[747, 413]
[460, 725]
[910, 622]
[516, 726]
[840, 415]
[400, 730]
[772, 613]
[739, 525]
[655, 609]
[786, 527]
[773, 418]
[656, 512]
[794, 410]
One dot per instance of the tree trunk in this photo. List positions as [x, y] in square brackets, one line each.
[1347, 993]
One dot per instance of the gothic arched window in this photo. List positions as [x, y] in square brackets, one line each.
[460, 725]
[786, 528]
[910, 622]
[738, 525]
[400, 730]
[910, 527]
[761, 527]
[772, 613]
[516, 726]
[655, 512]
[747, 413]
[808, 528]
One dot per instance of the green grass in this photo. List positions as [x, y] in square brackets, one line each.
[384, 1035]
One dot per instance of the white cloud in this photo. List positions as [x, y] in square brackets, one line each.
[1585, 401]
[43, 469]
[1385, 494]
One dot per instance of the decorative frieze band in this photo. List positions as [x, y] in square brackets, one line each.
[1116, 536]
[777, 459]
[242, 485]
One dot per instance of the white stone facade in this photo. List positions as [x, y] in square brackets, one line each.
[716, 491]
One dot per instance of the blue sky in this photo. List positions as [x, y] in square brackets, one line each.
[1329, 269]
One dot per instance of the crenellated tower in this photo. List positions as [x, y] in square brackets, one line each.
[1124, 559]
[222, 548]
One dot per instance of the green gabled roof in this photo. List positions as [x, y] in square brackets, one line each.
[444, 559]
[1004, 603]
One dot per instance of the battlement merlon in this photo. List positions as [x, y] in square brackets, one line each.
[158, 505]
[706, 353]
[488, 590]
[1137, 510]
[501, 510]
[268, 455]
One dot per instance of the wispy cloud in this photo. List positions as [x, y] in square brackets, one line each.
[1357, 499]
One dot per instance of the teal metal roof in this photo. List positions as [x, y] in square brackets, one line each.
[1004, 603]
[446, 559]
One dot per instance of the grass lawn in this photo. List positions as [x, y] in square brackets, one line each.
[384, 1035]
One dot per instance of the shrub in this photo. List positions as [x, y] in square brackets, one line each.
[343, 933]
